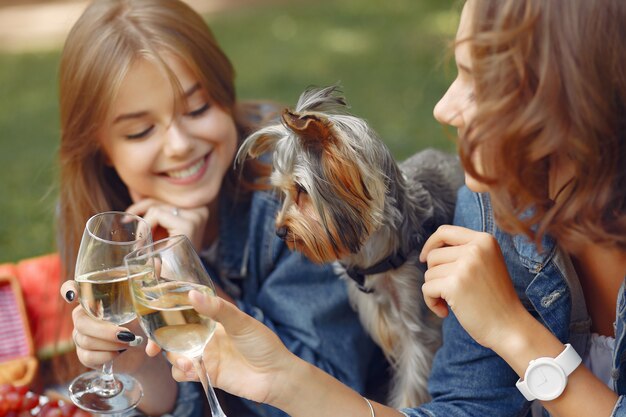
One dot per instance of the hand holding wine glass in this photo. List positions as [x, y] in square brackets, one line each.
[104, 294]
[161, 275]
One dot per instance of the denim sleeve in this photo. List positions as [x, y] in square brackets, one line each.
[307, 306]
[468, 380]
[620, 407]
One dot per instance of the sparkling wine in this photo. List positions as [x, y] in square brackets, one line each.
[106, 295]
[168, 318]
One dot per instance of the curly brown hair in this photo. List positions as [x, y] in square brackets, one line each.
[550, 86]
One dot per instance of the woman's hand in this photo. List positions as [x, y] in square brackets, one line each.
[244, 357]
[190, 222]
[98, 341]
[467, 273]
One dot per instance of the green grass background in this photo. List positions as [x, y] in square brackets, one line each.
[390, 57]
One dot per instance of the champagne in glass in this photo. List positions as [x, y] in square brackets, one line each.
[105, 295]
[170, 268]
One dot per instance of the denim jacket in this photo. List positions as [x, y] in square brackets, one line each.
[305, 304]
[470, 380]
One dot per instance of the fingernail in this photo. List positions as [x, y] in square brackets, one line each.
[70, 295]
[126, 336]
[122, 350]
[138, 340]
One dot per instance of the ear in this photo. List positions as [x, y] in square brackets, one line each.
[313, 131]
[260, 142]
[260, 145]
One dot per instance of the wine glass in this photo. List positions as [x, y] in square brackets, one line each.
[161, 275]
[104, 294]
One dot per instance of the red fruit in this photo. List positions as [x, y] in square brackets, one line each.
[30, 401]
[50, 409]
[14, 400]
[67, 409]
[22, 389]
[6, 388]
[4, 406]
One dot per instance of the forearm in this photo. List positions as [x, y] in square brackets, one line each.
[317, 394]
[584, 394]
[159, 388]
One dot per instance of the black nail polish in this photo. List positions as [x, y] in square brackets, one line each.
[70, 295]
[125, 336]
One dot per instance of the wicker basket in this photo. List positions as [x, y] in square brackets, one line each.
[18, 364]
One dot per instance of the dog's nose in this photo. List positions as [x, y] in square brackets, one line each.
[281, 232]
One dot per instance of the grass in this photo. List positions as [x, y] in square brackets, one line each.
[388, 57]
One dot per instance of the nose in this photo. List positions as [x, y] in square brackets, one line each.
[177, 141]
[448, 110]
[281, 232]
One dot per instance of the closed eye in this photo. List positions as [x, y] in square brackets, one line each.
[141, 134]
[199, 111]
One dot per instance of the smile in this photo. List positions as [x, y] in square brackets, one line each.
[191, 173]
[187, 172]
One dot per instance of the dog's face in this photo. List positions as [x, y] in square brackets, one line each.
[333, 196]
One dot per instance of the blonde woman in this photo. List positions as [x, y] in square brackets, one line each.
[150, 125]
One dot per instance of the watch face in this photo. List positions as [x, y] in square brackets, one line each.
[545, 380]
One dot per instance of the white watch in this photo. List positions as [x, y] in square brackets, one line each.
[546, 378]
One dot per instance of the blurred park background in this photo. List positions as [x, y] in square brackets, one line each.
[392, 58]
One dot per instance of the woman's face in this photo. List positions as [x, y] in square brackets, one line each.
[457, 107]
[179, 157]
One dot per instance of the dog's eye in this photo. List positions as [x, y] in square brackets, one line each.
[299, 191]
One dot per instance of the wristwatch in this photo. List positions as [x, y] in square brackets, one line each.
[546, 378]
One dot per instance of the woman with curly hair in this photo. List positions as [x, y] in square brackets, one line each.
[530, 279]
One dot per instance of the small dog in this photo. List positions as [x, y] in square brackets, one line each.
[347, 200]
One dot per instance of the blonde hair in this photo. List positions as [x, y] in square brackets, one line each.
[550, 85]
[103, 44]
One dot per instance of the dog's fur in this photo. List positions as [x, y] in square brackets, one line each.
[347, 200]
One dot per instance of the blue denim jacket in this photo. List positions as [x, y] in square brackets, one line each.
[470, 380]
[305, 304]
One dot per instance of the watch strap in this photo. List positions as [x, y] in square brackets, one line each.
[522, 386]
[568, 361]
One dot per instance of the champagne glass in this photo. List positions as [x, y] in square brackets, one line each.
[104, 294]
[161, 275]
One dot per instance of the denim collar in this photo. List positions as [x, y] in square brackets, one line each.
[526, 249]
[233, 234]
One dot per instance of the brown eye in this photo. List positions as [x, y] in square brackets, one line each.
[299, 191]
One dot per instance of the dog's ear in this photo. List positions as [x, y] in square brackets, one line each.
[312, 130]
[260, 142]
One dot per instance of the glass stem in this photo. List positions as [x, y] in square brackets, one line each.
[216, 410]
[107, 385]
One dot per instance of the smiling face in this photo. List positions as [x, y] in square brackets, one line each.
[178, 154]
[457, 107]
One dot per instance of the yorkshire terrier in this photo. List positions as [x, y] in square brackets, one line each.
[346, 200]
